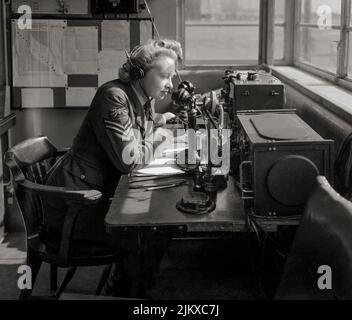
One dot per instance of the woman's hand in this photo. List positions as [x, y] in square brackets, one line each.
[168, 116]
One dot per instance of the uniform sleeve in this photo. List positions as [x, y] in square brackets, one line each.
[125, 146]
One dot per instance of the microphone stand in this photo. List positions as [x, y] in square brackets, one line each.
[209, 181]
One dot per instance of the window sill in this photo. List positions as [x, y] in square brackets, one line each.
[329, 95]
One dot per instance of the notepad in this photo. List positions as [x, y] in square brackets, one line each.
[159, 167]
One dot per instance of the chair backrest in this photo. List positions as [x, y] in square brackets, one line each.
[31, 160]
[322, 248]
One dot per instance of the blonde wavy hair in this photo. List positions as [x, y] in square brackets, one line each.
[144, 56]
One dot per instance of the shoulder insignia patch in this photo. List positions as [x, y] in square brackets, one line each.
[118, 114]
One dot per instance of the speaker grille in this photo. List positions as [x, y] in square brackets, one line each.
[291, 180]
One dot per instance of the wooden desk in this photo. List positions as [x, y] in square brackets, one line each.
[139, 210]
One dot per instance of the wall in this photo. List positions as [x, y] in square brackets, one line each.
[325, 122]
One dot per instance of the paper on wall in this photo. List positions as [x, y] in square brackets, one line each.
[37, 54]
[146, 31]
[81, 50]
[37, 98]
[115, 35]
[79, 96]
[109, 62]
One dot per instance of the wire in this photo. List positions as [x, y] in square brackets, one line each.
[152, 19]
[157, 32]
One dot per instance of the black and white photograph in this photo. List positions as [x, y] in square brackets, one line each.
[174, 155]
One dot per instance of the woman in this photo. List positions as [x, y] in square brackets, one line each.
[113, 139]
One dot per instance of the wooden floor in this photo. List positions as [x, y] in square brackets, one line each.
[197, 269]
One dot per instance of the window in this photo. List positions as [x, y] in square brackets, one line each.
[280, 29]
[318, 33]
[349, 44]
[221, 32]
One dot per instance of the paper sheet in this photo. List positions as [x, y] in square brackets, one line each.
[79, 97]
[115, 35]
[37, 98]
[109, 62]
[160, 167]
[37, 54]
[81, 50]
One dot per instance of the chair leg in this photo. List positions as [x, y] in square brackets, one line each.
[69, 274]
[53, 277]
[34, 265]
[104, 277]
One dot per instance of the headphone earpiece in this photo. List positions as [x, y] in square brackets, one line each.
[136, 72]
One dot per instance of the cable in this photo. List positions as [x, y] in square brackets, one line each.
[152, 19]
[157, 32]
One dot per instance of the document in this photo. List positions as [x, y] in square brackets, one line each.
[37, 98]
[115, 35]
[160, 167]
[81, 50]
[109, 62]
[146, 31]
[37, 54]
[79, 97]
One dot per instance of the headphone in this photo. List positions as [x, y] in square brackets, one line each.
[136, 72]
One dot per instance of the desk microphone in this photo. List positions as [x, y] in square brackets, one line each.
[184, 95]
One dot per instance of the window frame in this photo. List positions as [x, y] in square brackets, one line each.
[340, 77]
[241, 64]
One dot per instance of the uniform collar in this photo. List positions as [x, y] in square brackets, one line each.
[132, 94]
[143, 99]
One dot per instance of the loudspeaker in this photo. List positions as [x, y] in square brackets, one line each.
[280, 158]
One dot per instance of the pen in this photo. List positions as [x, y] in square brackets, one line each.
[148, 178]
[165, 186]
[142, 186]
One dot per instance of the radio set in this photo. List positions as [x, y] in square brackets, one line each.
[275, 155]
[280, 158]
[254, 90]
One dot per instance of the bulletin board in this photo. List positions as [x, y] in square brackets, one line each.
[61, 63]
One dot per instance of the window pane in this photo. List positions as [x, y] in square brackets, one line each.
[280, 6]
[211, 32]
[350, 59]
[235, 11]
[279, 43]
[318, 47]
[215, 43]
[310, 11]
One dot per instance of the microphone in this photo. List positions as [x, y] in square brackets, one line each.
[184, 95]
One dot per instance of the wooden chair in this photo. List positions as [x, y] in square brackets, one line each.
[324, 238]
[29, 162]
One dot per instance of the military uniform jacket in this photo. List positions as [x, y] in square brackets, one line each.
[113, 131]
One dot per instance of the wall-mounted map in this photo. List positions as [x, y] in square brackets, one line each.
[71, 58]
